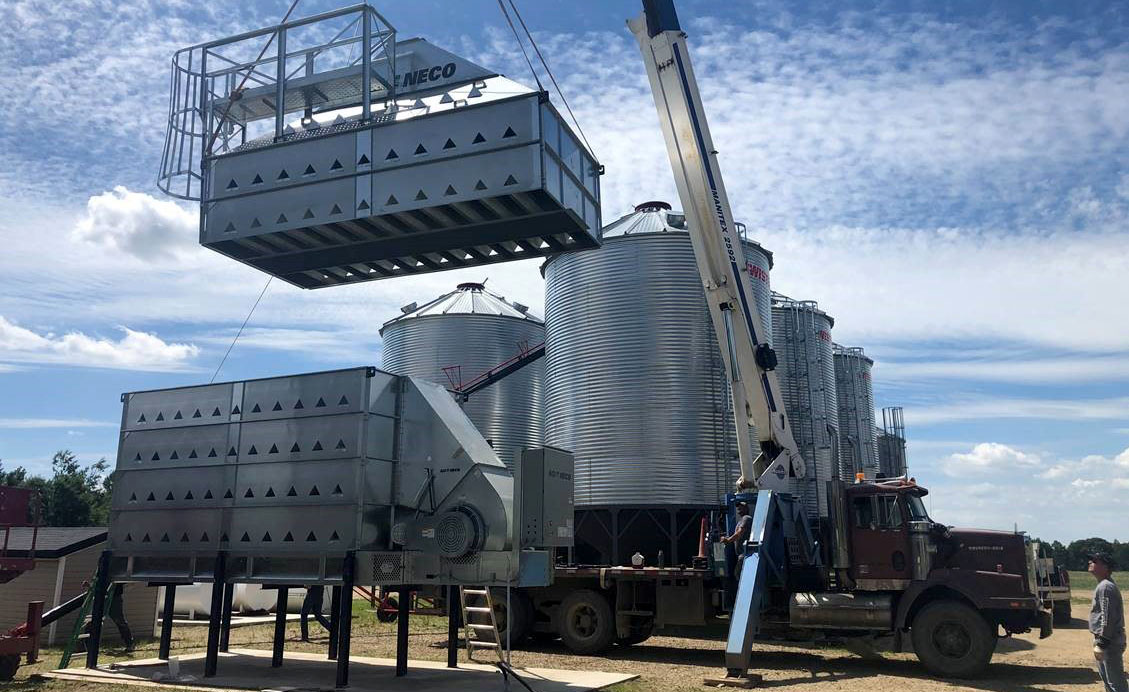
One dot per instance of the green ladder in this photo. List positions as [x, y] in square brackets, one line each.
[80, 622]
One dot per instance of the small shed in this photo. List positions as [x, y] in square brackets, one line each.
[65, 557]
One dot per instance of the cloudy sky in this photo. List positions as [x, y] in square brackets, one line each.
[949, 181]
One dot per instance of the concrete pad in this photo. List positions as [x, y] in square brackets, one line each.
[250, 669]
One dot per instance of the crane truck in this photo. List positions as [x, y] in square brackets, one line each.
[875, 564]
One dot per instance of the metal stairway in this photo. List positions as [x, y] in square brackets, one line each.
[481, 627]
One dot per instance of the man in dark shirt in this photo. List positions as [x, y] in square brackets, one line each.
[1107, 624]
[740, 535]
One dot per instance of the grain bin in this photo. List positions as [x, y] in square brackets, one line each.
[858, 446]
[634, 382]
[462, 334]
[806, 370]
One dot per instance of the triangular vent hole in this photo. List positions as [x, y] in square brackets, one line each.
[420, 196]
[258, 180]
[336, 165]
[309, 214]
[321, 403]
[391, 200]
[249, 493]
[479, 139]
[363, 161]
[314, 491]
[343, 401]
[292, 492]
[510, 180]
[309, 171]
[450, 191]
[449, 144]
[283, 175]
[270, 492]
[419, 150]
[311, 537]
[288, 538]
[480, 185]
[337, 490]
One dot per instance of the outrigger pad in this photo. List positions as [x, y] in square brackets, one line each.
[747, 681]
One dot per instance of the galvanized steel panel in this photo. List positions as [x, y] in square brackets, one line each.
[474, 330]
[857, 432]
[806, 370]
[634, 383]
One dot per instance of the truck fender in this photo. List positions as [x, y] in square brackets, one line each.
[920, 593]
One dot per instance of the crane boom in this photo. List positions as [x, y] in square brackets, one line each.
[749, 360]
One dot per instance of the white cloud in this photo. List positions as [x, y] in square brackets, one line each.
[134, 351]
[962, 408]
[42, 423]
[138, 224]
[1001, 367]
[1084, 484]
[1122, 483]
[989, 457]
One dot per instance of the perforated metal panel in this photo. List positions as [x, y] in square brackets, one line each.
[286, 475]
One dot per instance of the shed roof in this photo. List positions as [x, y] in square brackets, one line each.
[53, 541]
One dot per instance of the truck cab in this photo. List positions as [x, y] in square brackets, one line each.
[953, 590]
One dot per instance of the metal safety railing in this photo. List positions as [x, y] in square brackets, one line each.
[227, 92]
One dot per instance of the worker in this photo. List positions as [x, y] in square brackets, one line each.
[1107, 623]
[312, 603]
[740, 534]
[115, 610]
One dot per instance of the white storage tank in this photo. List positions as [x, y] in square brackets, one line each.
[634, 382]
[806, 371]
[461, 335]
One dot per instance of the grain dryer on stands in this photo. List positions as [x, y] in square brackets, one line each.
[324, 151]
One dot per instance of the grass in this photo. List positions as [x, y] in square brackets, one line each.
[1082, 585]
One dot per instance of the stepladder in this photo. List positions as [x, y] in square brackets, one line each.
[480, 623]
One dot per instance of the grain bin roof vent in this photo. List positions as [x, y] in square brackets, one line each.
[466, 299]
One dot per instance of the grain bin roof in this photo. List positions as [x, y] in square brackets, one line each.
[466, 299]
[658, 217]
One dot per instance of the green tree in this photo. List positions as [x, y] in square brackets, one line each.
[75, 494]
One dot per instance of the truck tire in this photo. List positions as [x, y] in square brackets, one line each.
[1061, 611]
[586, 622]
[522, 618]
[8, 666]
[952, 640]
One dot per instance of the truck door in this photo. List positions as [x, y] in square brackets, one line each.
[880, 546]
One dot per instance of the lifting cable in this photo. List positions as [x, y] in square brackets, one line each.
[520, 44]
[548, 70]
[240, 332]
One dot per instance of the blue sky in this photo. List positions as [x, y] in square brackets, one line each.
[949, 181]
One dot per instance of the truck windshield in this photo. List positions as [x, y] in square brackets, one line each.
[916, 508]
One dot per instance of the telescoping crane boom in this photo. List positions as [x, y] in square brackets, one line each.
[779, 533]
[749, 360]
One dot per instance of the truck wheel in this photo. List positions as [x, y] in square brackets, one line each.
[522, 618]
[8, 666]
[952, 639]
[586, 622]
[1061, 613]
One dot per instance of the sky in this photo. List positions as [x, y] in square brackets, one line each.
[949, 180]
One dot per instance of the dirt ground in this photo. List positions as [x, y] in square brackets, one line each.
[668, 664]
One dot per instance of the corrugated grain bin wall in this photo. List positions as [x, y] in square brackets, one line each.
[473, 330]
[858, 444]
[806, 370]
[634, 383]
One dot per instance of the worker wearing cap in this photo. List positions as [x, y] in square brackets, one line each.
[1107, 624]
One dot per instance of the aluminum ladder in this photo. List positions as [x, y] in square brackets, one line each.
[480, 625]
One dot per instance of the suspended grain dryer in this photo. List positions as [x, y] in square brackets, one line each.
[325, 162]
